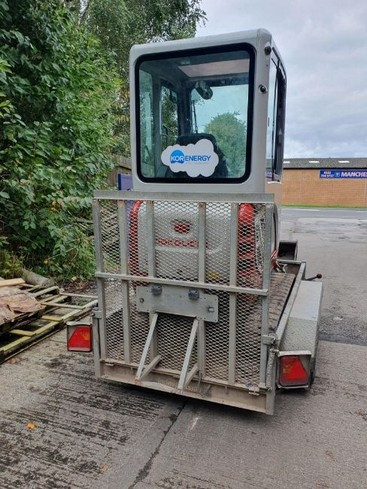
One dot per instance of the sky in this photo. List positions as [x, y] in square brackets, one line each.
[324, 47]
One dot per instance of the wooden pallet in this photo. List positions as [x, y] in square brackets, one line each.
[59, 308]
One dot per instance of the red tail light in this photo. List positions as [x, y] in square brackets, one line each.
[80, 338]
[294, 370]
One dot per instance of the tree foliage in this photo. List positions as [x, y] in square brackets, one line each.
[230, 133]
[64, 110]
[56, 130]
[120, 24]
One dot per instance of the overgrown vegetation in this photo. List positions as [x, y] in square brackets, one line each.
[63, 112]
[56, 132]
[119, 24]
[10, 264]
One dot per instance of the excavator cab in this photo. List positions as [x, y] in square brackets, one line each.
[208, 115]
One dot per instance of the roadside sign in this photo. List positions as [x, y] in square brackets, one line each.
[343, 173]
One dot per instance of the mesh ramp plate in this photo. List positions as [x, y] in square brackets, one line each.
[219, 246]
[173, 331]
[280, 287]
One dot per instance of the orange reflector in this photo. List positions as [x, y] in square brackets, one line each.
[292, 372]
[80, 338]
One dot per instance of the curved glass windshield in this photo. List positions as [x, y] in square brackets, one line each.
[194, 115]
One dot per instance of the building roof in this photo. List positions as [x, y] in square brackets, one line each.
[318, 163]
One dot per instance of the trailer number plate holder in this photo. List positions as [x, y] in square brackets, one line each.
[173, 299]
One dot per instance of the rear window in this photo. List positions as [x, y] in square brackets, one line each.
[194, 115]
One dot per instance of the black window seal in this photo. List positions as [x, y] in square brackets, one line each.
[281, 88]
[250, 110]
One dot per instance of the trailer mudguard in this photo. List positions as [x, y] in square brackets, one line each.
[302, 330]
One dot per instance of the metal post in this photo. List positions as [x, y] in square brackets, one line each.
[96, 345]
[100, 281]
[185, 378]
[150, 238]
[144, 356]
[151, 263]
[123, 236]
[266, 284]
[202, 278]
[233, 295]
[187, 283]
[97, 235]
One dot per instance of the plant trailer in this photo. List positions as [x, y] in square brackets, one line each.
[196, 294]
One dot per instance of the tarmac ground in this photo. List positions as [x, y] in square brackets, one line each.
[87, 434]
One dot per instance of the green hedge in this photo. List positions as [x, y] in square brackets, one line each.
[57, 95]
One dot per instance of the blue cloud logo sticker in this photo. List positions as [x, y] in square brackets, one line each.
[194, 159]
[177, 156]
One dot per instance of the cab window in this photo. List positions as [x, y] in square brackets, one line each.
[194, 115]
[275, 120]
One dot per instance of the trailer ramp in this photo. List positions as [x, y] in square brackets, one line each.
[188, 294]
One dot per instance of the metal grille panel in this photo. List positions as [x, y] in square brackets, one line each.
[114, 320]
[173, 335]
[143, 241]
[248, 340]
[110, 238]
[139, 326]
[250, 263]
[176, 240]
[217, 341]
[218, 242]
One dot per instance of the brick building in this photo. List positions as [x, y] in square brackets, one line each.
[325, 181]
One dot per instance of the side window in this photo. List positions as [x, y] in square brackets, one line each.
[275, 123]
[271, 123]
[280, 123]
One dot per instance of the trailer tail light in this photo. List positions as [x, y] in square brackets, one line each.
[294, 370]
[79, 337]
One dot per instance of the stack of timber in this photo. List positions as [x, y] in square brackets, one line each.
[29, 313]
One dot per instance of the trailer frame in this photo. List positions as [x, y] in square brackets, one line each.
[191, 380]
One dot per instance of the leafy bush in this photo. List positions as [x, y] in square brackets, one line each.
[56, 130]
[10, 265]
[64, 106]
[121, 23]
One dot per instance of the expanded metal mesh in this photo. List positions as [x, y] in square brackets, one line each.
[162, 240]
[250, 264]
[110, 238]
[113, 293]
[217, 340]
[176, 240]
[218, 232]
[248, 339]
[173, 334]
[139, 326]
